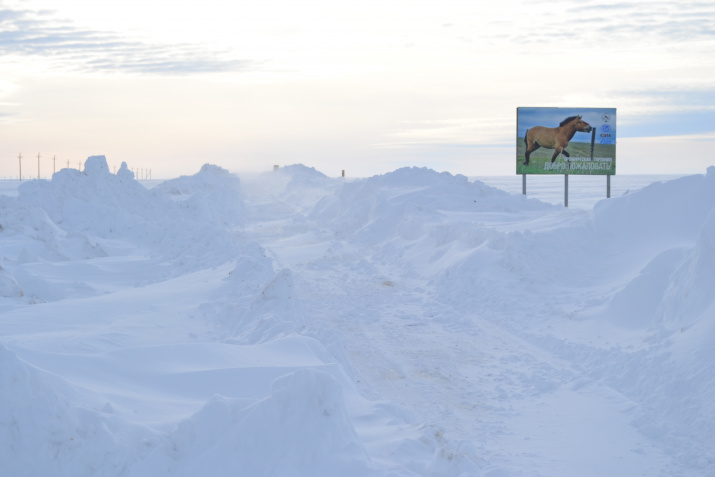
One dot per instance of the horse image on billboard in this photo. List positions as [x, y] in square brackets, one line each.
[554, 138]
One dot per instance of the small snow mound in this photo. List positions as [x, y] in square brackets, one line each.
[213, 169]
[95, 202]
[636, 305]
[275, 311]
[9, 287]
[209, 178]
[690, 293]
[40, 432]
[301, 428]
[212, 194]
[33, 222]
[280, 288]
[76, 213]
[96, 166]
[311, 403]
[402, 205]
[299, 171]
[657, 217]
[124, 172]
[416, 176]
[253, 268]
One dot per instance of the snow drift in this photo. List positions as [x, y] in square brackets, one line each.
[412, 323]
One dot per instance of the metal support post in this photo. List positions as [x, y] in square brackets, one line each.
[566, 190]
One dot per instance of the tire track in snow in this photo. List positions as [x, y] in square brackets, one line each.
[523, 410]
[468, 378]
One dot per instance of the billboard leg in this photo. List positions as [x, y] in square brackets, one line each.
[523, 184]
[608, 186]
[566, 190]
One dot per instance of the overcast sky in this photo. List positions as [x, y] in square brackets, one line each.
[366, 86]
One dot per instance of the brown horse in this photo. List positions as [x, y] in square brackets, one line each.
[554, 138]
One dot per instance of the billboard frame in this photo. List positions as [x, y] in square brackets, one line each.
[596, 158]
[566, 140]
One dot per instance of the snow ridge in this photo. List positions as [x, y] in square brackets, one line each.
[414, 323]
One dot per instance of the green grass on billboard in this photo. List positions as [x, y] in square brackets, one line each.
[540, 160]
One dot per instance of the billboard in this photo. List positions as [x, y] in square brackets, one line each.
[566, 141]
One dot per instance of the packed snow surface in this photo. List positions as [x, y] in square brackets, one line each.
[409, 324]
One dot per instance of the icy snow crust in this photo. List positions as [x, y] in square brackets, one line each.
[409, 324]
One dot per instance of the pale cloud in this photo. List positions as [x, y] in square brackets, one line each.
[688, 154]
[462, 132]
[42, 34]
[371, 85]
[606, 24]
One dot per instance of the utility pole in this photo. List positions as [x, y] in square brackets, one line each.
[19, 157]
[68, 163]
[38, 165]
[54, 164]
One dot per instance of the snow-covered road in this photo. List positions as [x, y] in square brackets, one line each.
[409, 324]
[490, 393]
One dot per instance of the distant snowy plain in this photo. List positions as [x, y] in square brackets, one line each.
[409, 324]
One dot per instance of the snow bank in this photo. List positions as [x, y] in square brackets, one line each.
[301, 428]
[644, 262]
[418, 218]
[660, 216]
[673, 238]
[210, 325]
[43, 433]
[689, 296]
[94, 201]
[111, 415]
[258, 306]
[678, 385]
[213, 194]
[289, 191]
[402, 204]
[188, 222]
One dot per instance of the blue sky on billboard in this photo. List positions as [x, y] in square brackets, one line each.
[368, 86]
[552, 117]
